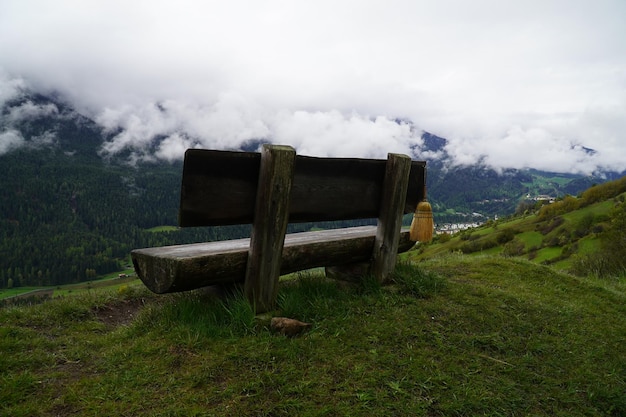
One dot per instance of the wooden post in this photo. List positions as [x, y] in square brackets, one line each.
[390, 218]
[269, 226]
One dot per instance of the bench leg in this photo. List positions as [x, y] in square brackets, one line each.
[390, 218]
[269, 227]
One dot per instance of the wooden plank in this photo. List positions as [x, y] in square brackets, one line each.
[177, 268]
[185, 267]
[219, 187]
[327, 189]
[269, 226]
[390, 217]
[415, 189]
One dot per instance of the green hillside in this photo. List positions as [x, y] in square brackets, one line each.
[573, 234]
[460, 335]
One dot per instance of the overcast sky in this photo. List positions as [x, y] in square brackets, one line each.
[516, 83]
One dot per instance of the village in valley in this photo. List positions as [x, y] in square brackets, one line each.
[479, 219]
[452, 228]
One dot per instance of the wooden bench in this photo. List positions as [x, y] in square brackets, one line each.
[269, 190]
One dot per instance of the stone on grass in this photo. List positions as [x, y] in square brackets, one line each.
[288, 327]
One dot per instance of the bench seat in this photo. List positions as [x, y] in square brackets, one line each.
[185, 267]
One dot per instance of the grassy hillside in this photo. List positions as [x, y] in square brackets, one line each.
[29, 295]
[458, 335]
[556, 234]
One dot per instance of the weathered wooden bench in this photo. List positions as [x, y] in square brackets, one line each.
[269, 190]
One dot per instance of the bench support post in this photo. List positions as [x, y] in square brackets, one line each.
[390, 218]
[269, 226]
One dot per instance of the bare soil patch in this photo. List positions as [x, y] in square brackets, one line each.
[119, 313]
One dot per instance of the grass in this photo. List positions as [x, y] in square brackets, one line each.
[158, 229]
[588, 246]
[541, 183]
[455, 335]
[531, 239]
[96, 285]
[598, 209]
[104, 282]
[546, 254]
[12, 292]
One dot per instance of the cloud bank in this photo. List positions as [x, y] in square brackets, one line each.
[526, 84]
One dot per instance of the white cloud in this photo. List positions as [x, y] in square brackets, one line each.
[9, 87]
[173, 127]
[334, 134]
[29, 110]
[496, 78]
[172, 147]
[225, 124]
[9, 140]
[531, 148]
[10, 136]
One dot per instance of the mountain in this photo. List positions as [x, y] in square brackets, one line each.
[68, 215]
[40, 122]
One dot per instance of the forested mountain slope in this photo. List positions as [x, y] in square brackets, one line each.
[66, 214]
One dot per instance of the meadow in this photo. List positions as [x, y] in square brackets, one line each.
[454, 335]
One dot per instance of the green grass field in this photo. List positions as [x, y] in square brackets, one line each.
[598, 209]
[546, 254]
[588, 246]
[12, 292]
[531, 239]
[454, 336]
[104, 282]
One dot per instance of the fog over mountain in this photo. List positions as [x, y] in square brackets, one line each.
[536, 84]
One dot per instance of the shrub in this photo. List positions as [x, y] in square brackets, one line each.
[514, 248]
[604, 191]
[598, 228]
[478, 245]
[125, 291]
[525, 207]
[550, 225]
[567, 204]
[584, 224]
[444, 237]
[505, 236]
[590, 265]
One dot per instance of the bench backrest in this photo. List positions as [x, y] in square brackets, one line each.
[220, 188]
